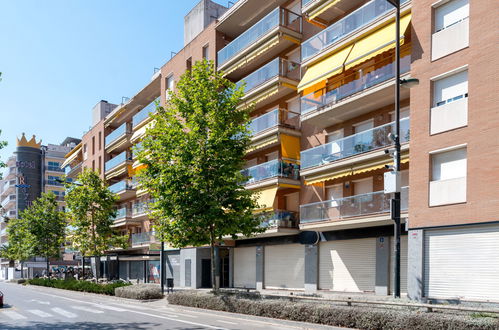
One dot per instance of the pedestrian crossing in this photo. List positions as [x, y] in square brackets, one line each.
[69, 312]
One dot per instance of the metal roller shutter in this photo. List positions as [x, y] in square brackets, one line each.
[348, 265]
[462, 263]
[284, 266]
[244, 267]
[403, 263]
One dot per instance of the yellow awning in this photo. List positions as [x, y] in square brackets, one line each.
[324, 69]
[353, 171]
[290, 146]
[266, 199]
[322, 9]
[376, 42]
[71, 156]
[264, 143]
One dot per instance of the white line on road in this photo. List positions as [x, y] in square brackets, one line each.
[86, 309]
[64, 312]
[111, 308]
[14, 315]
[227, 322]
[39, 301]
[40, 313]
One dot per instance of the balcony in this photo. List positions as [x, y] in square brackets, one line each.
[350, 208]
[7, 201]
[141, 239]
[355, 97]
[142, 117]
[270, 173]
[118, 139]
[123, 217]
[140, 210]
[272, 35]
[270, 82]
[124, 189]
[52, 168]
[72, 171]
[353, 145]
[117, 165]
[267, 128]
[351, 24]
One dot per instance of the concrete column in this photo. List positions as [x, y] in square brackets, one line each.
[382, 281]
[259, 267]
[311, 268]
[415, 271]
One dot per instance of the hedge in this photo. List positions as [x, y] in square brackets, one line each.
[78, 285]
[334, 315]
[140, 292]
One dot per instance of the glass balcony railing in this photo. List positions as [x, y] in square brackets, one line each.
[345, 26]
[354, 85]
[8, 199]
[272, 169]
[278, 17]
[354, 206]
[116, 161]
[272, 119]
[144, 113]
[116, 134]
[141, 208]
[279, 218]
[355, 144]
[122, 213]
[70, 169]
[305, 2]
[120, 186]
[143, 238]
[276, 67]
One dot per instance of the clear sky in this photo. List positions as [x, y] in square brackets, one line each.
[58, 58]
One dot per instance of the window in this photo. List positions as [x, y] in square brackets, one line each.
[450, 88]
[93, 145]
[206, 52]
[448, 165]
[93, 165]
[100, 165]
[53, 181]
[451, 13]
[85, 154]
[188, 64]
[100, 140]
[169, 85]
[54, 167]
[363, 186]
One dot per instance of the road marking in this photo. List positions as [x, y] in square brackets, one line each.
[40, 313]
[86, 309]
[227, 322]
[111, 308]
[14, 315]
[39, 301]
[64, 312]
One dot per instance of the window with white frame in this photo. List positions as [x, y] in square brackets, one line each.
[449, 165]
[450, 88]
[450, 13]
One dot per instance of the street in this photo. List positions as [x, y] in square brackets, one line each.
[29, 307]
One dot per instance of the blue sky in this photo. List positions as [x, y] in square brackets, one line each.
[60, 57]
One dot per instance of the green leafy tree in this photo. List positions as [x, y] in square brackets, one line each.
[90, 209]
[45, 226]
[194, 155]
[3, 144]
[20, 241]
[5, 253]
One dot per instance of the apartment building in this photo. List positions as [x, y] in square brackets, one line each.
[33, 169]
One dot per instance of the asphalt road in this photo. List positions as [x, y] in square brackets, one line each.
[30, 307]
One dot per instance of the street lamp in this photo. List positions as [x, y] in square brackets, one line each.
[395, 202]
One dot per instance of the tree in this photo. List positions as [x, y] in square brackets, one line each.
[194, 154]
[46, 227]
[3, 144]
[20, 241]
[90, 208]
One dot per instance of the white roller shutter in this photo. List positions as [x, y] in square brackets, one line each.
[284, 266]
[403, 264]
[462, 263]
[244, 267]
[348, 265]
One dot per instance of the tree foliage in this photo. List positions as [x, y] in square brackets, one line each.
[44, 226]
[3, 144]
[194, 154]
[20, 240]
[90, 208]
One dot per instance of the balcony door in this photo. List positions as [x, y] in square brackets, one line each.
[335, 145]
[363, 138]
[334, 194]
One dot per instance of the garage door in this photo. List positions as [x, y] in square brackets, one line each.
[348, 265]
[244, 267]
[284, 266]
[462, 263]
[403, 264]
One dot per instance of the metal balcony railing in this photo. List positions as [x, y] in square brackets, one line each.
[278, 17]
[272, 169]
[276, 68]
[116, 134]
[144, 113]
[355, 144]
[353, 206]
[354, 85]
[353, 22]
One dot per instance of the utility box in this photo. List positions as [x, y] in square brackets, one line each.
[392, 182]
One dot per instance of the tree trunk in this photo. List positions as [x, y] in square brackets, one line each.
[22, 269]
[214, 278]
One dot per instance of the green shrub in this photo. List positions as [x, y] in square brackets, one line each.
[140, 292]
[334, 315]
[76, 285]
